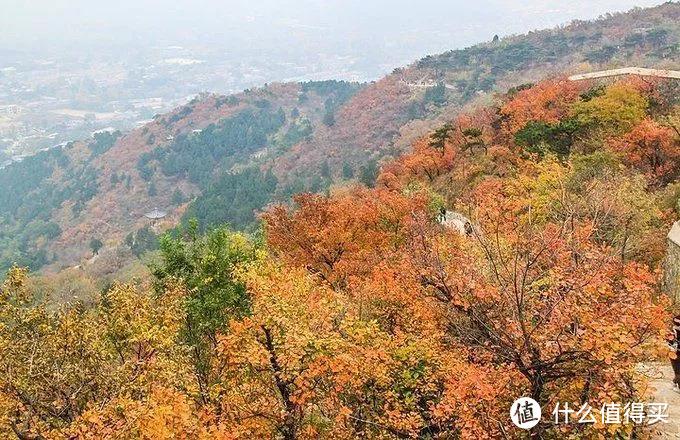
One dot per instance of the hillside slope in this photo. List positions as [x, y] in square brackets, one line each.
[515, 251]
[389, 114]
[58, 200]
[221, 159]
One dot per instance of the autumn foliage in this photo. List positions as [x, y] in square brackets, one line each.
[548, 101]
[652, 148]
[364, 314]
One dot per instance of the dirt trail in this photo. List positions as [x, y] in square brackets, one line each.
[663, 391]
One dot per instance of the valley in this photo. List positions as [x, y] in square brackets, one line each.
[482, 244]
[327, 133]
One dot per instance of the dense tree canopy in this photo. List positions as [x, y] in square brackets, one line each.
[362, 314]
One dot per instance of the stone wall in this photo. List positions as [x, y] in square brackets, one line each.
[671, 275]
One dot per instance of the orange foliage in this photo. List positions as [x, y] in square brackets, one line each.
[368, 317]
[424, 161]
[548, 101]
[339, 238]
[543, 298]
[519, 308]
[653, 149]
[166, 414]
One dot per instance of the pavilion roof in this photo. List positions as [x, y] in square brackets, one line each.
[155, 214]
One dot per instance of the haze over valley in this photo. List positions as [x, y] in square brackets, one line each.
[71, 68]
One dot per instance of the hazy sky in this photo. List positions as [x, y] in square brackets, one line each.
[265, 24]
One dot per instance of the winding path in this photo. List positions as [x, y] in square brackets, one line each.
[663, 391]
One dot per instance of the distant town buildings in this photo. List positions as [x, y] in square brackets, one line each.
[104, 130]
[11, 110]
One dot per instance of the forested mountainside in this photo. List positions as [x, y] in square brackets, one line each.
[222, 159]
[208, 158]
[368, 313]
[389, 115]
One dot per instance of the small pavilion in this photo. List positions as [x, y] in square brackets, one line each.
[155, 215]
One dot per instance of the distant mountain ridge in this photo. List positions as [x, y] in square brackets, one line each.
[223, 158]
